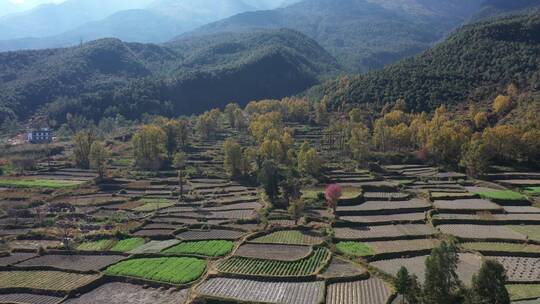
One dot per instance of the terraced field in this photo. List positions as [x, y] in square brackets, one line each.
[384, 232]
[482, 232]
[504, 247]
[212, 248]
[45, 280]
[370, 291]
[273, 252]
[29, 298]
[174, 270]
[291, 237]
[121, 293]
[262, 291]
[248, 266]
[212, 234]
[73, 262]
[520, 269]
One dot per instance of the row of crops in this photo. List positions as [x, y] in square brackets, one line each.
[174, 270]
[303, 267]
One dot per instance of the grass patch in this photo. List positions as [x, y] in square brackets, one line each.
[357, 249]
[532, 231]
[127, 244]
[211, 248]
[100, 245]
[507, 247]
[153, 204]
[532, 190]
[503, 195]
[173, 270]
[39, 183]
[523, 291]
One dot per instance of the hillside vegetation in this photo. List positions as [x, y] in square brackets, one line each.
[108, 77]
[473, 64]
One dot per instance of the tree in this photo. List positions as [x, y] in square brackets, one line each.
[475, 157]
[502, 104]
[269, 177]
[173, 136]
[208, 123]
[179, 162]
[82, 142]
[442, 282]
[332, 195]
[230, 110]
[296, 209]
[99, 157]
[503, 141]
[309, 162]
[290, 187]
[488, 286]
[359, 142]
[149, 147]
[481, 120]
[233, 158]
[402, 282]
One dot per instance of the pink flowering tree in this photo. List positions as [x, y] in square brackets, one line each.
[332, 195]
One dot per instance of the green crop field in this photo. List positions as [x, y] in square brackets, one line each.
[532, 231]
[503, 195]
[355, 249]
[127, 244]
[523, 291]
[151, 204]
[173, 270]
[212, 248]
[532, 190]
[303, 267]
[508, 247]
[39, 183]
[96, 245]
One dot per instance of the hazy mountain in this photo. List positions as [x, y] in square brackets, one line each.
[475, 63]
[52, 19]
[492, 8]
[7, 7]
[160, 21]
[109, 76]
[362, 34]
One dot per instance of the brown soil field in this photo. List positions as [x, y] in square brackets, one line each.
[120, 293]
[154, 246]
[370, 291]
[28, 298]
[386, 205]
[469, 264]
[212, 234]
[403, 245]
[520, 269]
[339, 268]
[385, 196]
[388, 231]
[386, 218]
[34, 244]
[73, 262]
[273, 252]
[15, 257]
[263, 292]
[481, 232]
[466, 204]
[153, 232]
[521, 209]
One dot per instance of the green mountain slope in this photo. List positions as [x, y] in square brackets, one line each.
[108, 76]
[472, 64]
[362, 34]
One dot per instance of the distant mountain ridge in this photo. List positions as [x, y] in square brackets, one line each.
[155, 21]
[473, 64]
[109, 76]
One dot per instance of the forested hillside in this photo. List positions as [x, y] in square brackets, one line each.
[362, 34]
[107, 77]
[472, 64]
